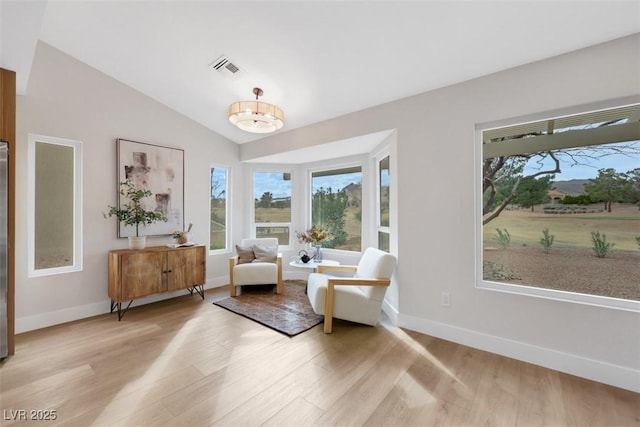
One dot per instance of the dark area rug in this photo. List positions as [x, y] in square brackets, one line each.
[289, 313]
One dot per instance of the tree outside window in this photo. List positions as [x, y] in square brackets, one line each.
[218, 209]
[337, 204]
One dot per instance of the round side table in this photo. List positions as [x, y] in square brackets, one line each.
[312, 264]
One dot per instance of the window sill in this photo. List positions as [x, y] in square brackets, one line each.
[552, 294]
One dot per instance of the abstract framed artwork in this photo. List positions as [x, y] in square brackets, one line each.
[159, 170]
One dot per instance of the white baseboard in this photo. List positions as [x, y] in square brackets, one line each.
[44, 320]
[390, 311]
[603, 372]
[51, 318]
[217, 282]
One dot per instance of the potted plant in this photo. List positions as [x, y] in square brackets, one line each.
[133, 213]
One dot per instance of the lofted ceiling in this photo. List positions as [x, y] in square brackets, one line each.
[316, 60]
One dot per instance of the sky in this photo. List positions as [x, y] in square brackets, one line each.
[620, 163]
[277, 183]
[279, 187]
[336, 182]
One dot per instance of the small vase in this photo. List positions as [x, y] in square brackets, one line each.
[318, 255]
[137, 242]
[182, 238]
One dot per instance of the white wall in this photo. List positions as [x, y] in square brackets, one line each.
[68, 99]
[435, 139]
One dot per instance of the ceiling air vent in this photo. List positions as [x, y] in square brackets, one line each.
[223, 63]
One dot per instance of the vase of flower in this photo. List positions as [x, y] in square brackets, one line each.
[314, 237]
[182, 237]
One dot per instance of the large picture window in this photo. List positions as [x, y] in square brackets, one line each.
[219, 196]
[337, 204]
[272, 205]
[560, 204]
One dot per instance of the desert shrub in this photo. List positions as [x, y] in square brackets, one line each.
[638, 241]
[503, 238]
[600, 245]
[546, 240]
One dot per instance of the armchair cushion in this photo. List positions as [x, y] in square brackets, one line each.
[262, 273]
[350, 302]
[375, 265]
[265, 253]
[245, 255]
[262, 241]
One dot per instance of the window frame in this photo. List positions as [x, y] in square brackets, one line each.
[384, 154]
[552, 294]
[228, 218]
[255, 225]
[77, 239]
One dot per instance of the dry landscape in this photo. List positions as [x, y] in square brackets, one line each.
[569, 267]
[617, 276]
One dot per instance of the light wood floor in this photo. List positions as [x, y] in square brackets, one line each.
[188, 362]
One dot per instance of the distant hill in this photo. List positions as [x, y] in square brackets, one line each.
[354, 193]
[574, 187]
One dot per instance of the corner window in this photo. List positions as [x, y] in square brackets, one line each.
[337, 204]
[55, 205]
[383, 204]
[272, 205]
[219, 195]
[560, 202]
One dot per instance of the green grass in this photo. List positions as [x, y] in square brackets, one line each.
[217, 236]
[273, 214]
[570, 230]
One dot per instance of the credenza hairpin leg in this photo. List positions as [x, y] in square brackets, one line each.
[199, 289]
[118, 305]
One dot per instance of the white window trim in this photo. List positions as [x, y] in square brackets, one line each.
[77, 205]
[380, 228]
[480, 283]
[228, 218]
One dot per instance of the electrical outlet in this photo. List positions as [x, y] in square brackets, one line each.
[445, 299]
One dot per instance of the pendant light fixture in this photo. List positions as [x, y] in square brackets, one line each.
[256, 116]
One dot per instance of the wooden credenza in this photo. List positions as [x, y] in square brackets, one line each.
[135, 274]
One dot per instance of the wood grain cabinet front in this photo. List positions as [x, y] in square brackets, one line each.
[139, 273]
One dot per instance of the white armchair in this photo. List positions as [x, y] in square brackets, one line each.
[262, 265]
[358, 298]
